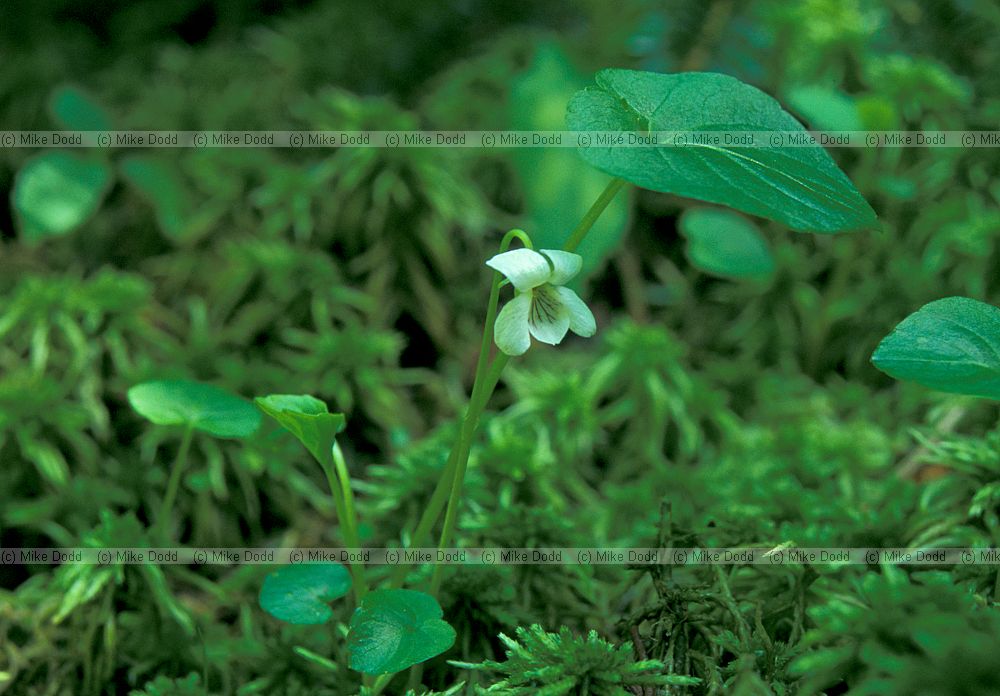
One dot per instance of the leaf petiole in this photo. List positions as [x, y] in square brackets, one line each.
[173, 483]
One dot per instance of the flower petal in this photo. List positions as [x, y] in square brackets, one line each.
[548, 320]
[565, 265]
[510, 332]
[526, 269]
[581, 319]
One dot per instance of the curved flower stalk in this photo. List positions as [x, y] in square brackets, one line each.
[542, 307]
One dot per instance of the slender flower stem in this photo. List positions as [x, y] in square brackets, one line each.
[430, 515]
[445, 489]
[173, 485]
[485, 381]
[607, 195]
[481, 395]
[476, 406]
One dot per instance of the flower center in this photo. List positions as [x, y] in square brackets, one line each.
[544, 305]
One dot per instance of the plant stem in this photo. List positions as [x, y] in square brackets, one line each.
[581, 230]
[350, 520]
[477, 402]
[476, 406]
[445, 489]
[173, 485]
[340, 466]
[430, 515]
[338, 480]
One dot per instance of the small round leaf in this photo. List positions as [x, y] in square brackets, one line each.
[204, 407]
[299, 594]
[395, 629]
[57, 191]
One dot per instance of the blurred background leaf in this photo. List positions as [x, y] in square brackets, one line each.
[725, 243]
[57, 191]
[556, 189]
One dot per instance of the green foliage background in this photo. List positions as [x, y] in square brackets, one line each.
[708, 410]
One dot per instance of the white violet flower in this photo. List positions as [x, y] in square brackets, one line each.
[541, 307]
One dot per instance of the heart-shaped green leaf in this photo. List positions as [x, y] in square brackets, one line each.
[305, 417]
[56, 192]
[798, 186]
[394, 629]
[204, 407]
[725, 243]
[952, 345]
[299, 594]
[74, 109]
